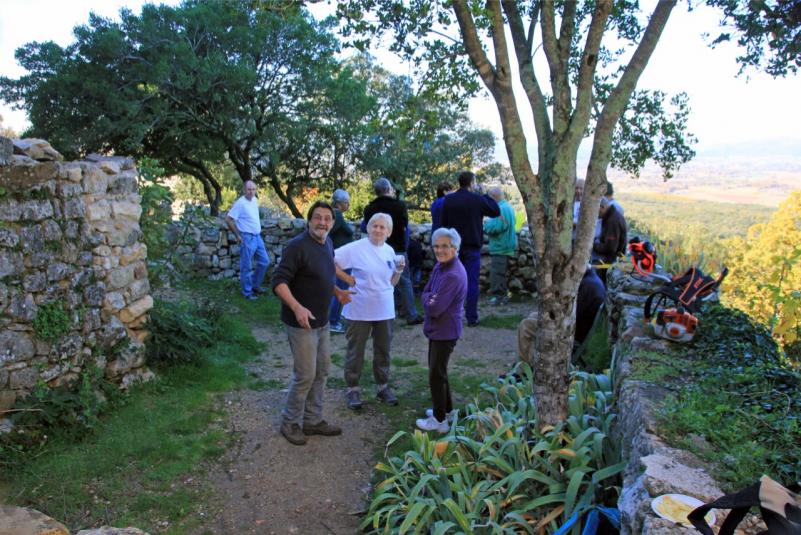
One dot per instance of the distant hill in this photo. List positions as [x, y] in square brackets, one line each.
[731, 175]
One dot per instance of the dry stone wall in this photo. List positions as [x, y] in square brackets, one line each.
[74, 289]
[654, 468]
[211, 251]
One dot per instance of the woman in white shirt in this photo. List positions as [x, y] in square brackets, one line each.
[375, 270]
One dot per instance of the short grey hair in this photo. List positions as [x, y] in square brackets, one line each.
[605, 202]
[382, 186]
[380, 215]
[496, 193]
[340, 195]
[450, 233]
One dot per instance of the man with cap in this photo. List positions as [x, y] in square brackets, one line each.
[243, 220]
[386, 203]
[341, 233]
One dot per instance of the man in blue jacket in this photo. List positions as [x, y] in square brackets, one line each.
[464, 211]
[502, 245]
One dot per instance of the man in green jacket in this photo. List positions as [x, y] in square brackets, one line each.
[502, 244]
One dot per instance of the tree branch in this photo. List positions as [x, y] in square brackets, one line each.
[472, 44]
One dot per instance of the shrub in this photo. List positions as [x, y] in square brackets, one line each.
[52, 322]
[69, 410]
[179, 331]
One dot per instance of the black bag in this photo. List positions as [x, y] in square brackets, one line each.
[685, 291]
[780, 508]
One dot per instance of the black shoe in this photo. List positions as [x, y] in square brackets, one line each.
[472, 323]
[414, 321]
[293, 434]
[259, 291]
[387, 396]
[322, 428]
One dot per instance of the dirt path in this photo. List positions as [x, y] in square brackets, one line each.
[272, 487]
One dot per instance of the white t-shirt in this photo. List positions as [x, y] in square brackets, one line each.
[246, 214]
[372, 267]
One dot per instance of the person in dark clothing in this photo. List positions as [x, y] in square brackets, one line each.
[463, 211]
[613, 239]
[591, 295]
[415, 253]
[341, 233]
[443, 189]
[386, 203]
[304, 281]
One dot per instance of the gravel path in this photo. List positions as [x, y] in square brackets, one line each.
[269, 486]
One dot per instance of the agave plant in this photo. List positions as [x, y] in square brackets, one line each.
[498, 471]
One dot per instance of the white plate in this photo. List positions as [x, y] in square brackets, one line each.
[691, 502]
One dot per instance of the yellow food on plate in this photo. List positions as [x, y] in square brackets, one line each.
[674, 509]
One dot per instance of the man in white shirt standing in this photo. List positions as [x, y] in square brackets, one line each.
[243, 220]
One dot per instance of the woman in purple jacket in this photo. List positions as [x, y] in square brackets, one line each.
[443, 298]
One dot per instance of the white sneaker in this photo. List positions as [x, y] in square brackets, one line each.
[432, 424]
[448, 415]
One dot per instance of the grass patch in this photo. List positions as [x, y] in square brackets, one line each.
[134, 467]
[403, 363]
[501, 322]
[655, 367]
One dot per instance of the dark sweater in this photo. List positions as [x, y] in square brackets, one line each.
[443, 299]
[341, 233]
[464, 211]
[400, 219]
[591, 295]
[613, 238]
[307, 267]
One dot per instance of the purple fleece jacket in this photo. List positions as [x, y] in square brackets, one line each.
[443, 298]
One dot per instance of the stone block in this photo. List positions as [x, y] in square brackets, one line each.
[107, 530]
[123, 183]
[8, 237]
[24, 174]
[114, 301]
[10, 210]
[132, 253]
[74, 208]
[136, 309]
[140, 270]
[120, 277]
[126, 209]
[34, 281]
[36, 210]
[15, 347]
[69, 190]
[52, 231]
[11, 263]
[112, 333]
[95, 180]
[37, 149]
[139, 288]
[22, 307]
[99, 210]
[23, 378]
[58, 271]
[95, 294]
[71, 171]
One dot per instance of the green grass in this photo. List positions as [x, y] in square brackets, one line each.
[132, 469]
[493, 321]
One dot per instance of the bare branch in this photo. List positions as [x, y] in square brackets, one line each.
[472, 44]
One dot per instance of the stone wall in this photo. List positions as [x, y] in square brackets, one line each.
[654, 468]
[209, 248]
[73, 281]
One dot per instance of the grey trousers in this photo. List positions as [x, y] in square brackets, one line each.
[497, 275]
[357, 335]
[311, 350]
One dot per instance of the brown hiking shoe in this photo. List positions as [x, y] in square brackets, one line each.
[293, 434]
[322, 428]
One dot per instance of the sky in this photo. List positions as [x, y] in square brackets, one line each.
[729, 113]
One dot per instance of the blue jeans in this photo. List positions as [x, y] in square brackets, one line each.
[471, 260]
[335, 312]
[251, 251]
[311, 352]
[405, 292]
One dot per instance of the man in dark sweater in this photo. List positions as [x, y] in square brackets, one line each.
[386, 203]
[591, 295]
[612, 241]
[464, 211]
[304, 281]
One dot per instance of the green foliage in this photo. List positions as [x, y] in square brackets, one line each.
[180, 331]
[498, 470]
[740, 395]
[597, 355]
[67, 411]
[52, 322]
[156, 208]
[494, 321]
